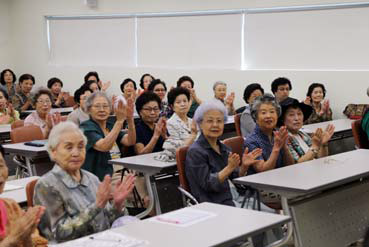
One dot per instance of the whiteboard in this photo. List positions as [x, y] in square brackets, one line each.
[107, 42]
[335, 39]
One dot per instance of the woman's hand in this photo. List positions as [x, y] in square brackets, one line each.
[230, 98]
[194, 128]
[120, 112]
[159, 126]
[130, 107]
[53, 119]
[233, 161]
[105, 85]
[122, 190]
[249, 158]
[103, 192]
[316, 139]
[327, 134]
[307, 101]
[280, 138]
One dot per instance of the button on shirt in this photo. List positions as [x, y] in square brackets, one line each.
[202, 167]
[257, 139]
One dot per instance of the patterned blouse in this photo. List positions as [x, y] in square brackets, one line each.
[71, 211]
[315, 117]
[178, 129]
[294, 146]
[19, 99]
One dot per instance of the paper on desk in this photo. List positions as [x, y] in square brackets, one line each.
[183, 217]
[9, 187]
[104, 239]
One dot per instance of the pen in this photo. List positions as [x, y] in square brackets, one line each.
[168, 220]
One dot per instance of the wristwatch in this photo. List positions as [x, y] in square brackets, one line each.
[315, 152]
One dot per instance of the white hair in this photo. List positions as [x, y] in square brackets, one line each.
[213, 104]
[58, 130]
[217, 83]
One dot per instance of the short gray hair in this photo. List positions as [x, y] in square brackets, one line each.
[213, 104]
[58, 130]
[91, 98]
[264, 99]
[217, 83]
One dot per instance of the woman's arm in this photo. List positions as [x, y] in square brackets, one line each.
[105, 144]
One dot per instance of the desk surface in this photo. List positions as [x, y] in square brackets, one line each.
[61, 110]
[143, 163]
[339, 124]
[229, 224]
[5, 128]
[312, 176]
[18, 195]
[20, 148]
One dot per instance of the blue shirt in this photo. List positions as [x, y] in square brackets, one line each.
[144, 134]
[257, 139]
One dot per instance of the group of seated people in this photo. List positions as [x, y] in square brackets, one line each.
[77, 198]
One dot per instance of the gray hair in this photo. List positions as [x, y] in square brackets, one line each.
[264, 99]
[217, 83]
[58, 130]
[93, 96]
[213, 104]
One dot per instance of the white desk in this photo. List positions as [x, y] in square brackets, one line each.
[18, 195]
[327, 197]
[5, 132]
[341, 125]
[63, 111]
[149, 166]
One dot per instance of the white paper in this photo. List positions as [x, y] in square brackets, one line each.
[9, 187]
[183, 217]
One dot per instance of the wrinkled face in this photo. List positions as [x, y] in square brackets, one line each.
[3, 173]
[100, 109]
[94, 87]
[317, 95]
[293, 119]
[220, 92]
[282, 93]
[212, 124]
[83, 98]
[3, 101]
[92, 78]
[70, 153]
[181, 105]
[267, 116]
[8, 77]
[159, 90]
[146, 81]
[56, 88]
[253, 95]
[187, 84]
[26, 86]
[129, 88]
[150, 112]
[43, 104]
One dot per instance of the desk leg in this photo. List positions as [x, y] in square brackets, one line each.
[156, 196]
[289, 232]
[31, 168]
[151, 198]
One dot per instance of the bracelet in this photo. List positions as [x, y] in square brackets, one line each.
[315, 152]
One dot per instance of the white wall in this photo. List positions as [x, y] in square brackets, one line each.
[6, 52]
[31, 53]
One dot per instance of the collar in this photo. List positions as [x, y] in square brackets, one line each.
[260, 133]
[67, 179]
[205, 144]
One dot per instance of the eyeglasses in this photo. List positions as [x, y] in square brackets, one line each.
[160, 90]
[44, 102]
[149, 109]
[104, 107]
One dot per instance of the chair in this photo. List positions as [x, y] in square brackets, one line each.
[360, 137]
[236, 144]
[237, 124]
[16, 124]
[30, 189]
[184, 188]
[70, 101]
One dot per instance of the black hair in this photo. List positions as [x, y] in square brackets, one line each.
[156, 82]
[2, 75]
[313, 86]
[125, 82]
[250, 89]
[280, 81]
[183, 79]
[6, 95]
[27, 77]
[175, 92]
[89, 83]
[92, 73]
[52, 81]
[40, 92]
[2, 150]
[142, 79]
[79, 92]
[145, 98]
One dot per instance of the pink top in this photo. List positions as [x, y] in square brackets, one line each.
[3, 219]
[34, 119]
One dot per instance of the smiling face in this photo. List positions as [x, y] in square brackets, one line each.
[220, 92]
[43, 104]
[70, 152]
[100, 109]
[293, 119]
[181, 105]
[3, 173]
[159, 90]
[26, 86]
[267, 116]
[56, 88]
[8, 77]
[317, 95]
[212, 124]
[129, 89]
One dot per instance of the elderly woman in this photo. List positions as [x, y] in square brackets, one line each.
[246, 121]
[105, 138]
[7, 113]
[77, 204]
[220, 93]
[273, 143]
[79, 114]
[315, 98]
[158, 87]
[42, 116]
[58, 97]
[151, 131]
[93, 76]
[301, 145]
[187, 82]
[145, 81]
[22, 101]
[7, 80]
[17, 228]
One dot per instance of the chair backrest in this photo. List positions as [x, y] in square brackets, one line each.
[181, 159]
[16, 124]
[26, 134]
[70, 101]
[236, 144]
[360, 137]
[30, 188]
[237, 123]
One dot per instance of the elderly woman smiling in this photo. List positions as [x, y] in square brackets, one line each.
[105, 138]
[77, 204]
[220, 93]
[273, 143]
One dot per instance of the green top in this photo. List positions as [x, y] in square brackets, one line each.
[193, 108]
[365, 124]
[96, 161]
